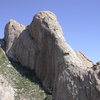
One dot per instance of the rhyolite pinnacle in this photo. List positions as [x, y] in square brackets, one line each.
[41, 46]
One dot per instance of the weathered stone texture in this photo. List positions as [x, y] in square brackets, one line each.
[12, 32]
[6, 91]
[41, 46]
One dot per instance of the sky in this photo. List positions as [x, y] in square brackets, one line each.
[79, 19]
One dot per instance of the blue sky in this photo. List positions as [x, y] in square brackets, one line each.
[80, 20]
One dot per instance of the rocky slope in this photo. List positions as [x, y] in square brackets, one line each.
[65, 73]
[19, 83]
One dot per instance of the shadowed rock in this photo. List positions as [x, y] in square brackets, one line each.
[41, 46]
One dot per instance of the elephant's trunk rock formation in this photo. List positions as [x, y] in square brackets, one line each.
[66, 73]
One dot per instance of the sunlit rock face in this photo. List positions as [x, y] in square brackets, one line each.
[6, 90]
[40, 46]
[12, 31]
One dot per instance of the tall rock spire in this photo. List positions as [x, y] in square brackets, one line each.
[41, 47]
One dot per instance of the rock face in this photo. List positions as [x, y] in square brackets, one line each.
[41, 46]
[2, 43]
[12, 32]
[86, 62]
[18, 82]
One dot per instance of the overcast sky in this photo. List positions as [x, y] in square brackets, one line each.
[80, 20]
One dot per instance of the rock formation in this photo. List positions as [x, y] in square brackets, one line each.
[6, 91]
[12, 32]
[18, 82]
[41, 46]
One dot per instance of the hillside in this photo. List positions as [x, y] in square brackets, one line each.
[19, 83]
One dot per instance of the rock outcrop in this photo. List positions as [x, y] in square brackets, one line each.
[18, 82]
[6, 91]
[41, 46]
[2, 44]
[12, 32]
